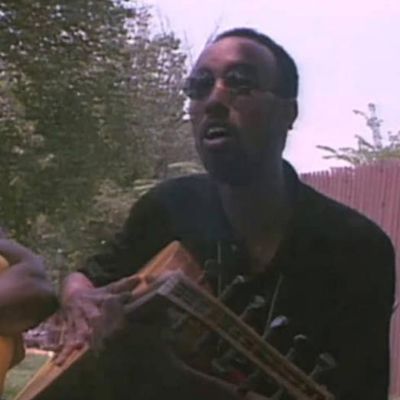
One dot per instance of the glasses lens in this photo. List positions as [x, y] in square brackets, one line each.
[241, 82]
[199, 85]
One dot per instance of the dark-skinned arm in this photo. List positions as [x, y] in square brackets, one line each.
[144, 234]
[26, 295]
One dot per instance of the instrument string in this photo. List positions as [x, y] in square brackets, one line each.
[272, 306]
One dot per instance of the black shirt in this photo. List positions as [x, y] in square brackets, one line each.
[336, 269]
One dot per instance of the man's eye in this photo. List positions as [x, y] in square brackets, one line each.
[240, 82]
[198, 86]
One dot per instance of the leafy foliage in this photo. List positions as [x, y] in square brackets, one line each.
[90, 102]
[382, 146]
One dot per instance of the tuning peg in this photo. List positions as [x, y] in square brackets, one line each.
[221, 364]
[278, 323]
[300, 343]
[229, 289]
[325, 362]
[257, 303]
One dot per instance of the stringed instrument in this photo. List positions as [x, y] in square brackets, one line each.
[173, 278]
[11, 348]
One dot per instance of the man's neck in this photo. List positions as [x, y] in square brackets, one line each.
[262, 202]
[259, 211]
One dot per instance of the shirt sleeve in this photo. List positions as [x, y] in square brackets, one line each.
[361, 329]
[146, 231]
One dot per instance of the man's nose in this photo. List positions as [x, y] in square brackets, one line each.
[219, 98]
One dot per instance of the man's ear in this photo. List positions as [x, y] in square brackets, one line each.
[291, 112]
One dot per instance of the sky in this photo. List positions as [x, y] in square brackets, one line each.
[347, 51]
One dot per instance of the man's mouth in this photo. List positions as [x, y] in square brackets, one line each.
[216, 137]
[216, 132]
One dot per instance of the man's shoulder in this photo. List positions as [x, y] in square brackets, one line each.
[190, 197]
[341, 222]
[354, 248]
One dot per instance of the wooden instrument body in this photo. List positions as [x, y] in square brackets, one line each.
[182, 291]
[51, 380]
[11, 348]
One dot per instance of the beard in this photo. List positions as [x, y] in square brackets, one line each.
[233, 168]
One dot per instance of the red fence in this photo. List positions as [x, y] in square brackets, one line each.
[374, 190]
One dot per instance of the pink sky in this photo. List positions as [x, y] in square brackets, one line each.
[347, 52]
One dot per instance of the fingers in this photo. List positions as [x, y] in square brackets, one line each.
[97, 316]
[15, 253]
[125, 298]
[133, 283]
[123, 285]
[171, 276]
[71, 341]
[76, 322]
[66, 350]
[110, 322]
[90, 319]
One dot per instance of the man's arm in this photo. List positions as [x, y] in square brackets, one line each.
[26, 295]
[146, 231]
[196, 385]
[142, 363]
[360, 332]
[361, 329]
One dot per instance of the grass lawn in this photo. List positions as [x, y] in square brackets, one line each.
[20, 375]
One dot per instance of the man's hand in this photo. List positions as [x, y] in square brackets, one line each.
[136, 357]
[135, 349]
[84, 312]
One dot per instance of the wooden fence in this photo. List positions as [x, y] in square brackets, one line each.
[374, 190]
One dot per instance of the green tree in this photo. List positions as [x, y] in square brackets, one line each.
[381, 147]
[90, 102]
[92, 94]
[61, 57]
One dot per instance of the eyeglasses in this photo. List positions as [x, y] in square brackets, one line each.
[238, 81]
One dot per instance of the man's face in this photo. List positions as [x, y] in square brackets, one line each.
[239, 125]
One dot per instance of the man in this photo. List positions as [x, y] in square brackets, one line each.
[328, 269]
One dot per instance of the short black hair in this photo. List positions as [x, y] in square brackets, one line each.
[288, 85]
